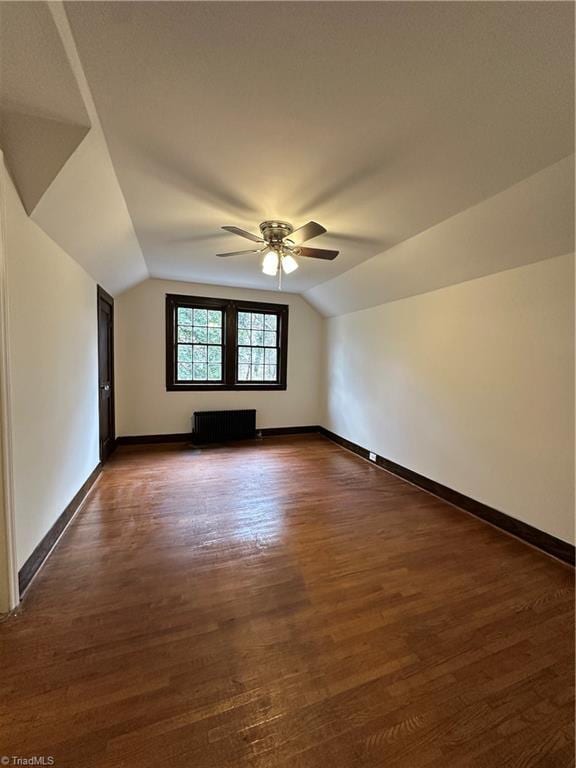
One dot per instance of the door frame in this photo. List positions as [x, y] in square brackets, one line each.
[103, 295]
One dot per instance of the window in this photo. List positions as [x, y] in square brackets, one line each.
[221, 344]
[258, 346]
[199, 343]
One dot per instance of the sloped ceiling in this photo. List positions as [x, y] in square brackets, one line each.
[378, 120]
[531, 221]
[84, 210]
[54, 147]
[36, 149]
[135, 130]
[42, 114]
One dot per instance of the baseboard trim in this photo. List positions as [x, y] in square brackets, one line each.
[176, 437]
[187, 437]
[278, 431]
[43, 549]
[559, 549]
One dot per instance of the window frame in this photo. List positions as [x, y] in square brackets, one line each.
[230, 309]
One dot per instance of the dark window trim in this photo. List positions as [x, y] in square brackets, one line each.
[230, 308]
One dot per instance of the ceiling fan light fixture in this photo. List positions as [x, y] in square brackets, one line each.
[270, 263]
[279, 243]
[289, 263]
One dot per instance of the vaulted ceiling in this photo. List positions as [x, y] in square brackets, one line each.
[54, 148]
[42, 115]
[379, 120]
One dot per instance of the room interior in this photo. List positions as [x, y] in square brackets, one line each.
[383, 566]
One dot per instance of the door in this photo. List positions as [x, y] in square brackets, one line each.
[106, 373]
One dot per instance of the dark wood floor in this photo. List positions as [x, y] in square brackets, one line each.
[286, 605]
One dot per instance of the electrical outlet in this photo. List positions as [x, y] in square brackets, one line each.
[372, 456]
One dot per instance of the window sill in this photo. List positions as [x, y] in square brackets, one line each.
[257, 387]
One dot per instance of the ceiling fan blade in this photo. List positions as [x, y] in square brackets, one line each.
[307, 232]
[317, 253]
[237, 253]
[243, 233]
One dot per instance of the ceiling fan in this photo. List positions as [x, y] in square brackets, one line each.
[280, 243]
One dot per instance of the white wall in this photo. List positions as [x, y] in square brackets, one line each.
[8, 575]
[471, 385]
[53, 372]
[143, 406]
[6, 602]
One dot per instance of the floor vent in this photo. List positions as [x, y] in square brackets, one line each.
[220, 426]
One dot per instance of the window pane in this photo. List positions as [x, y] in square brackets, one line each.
[184, 353]
[199, 354]
[200, 335]
[215, 318]
[244, 355]
[214, 372]
[257, 338]
[200, 317]
[243, 319]
[184, 371]
[270, 322]
[184, 316]
[196, 327]
[214, 354]
[184, 333]
[214, 335]
[257, 342]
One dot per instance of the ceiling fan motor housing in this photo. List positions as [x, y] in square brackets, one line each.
[275, 231]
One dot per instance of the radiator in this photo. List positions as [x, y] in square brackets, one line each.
[219, 426]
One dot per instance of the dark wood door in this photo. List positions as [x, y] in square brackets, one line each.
[106, 373]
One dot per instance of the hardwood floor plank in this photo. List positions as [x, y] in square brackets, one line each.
[285, 604]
